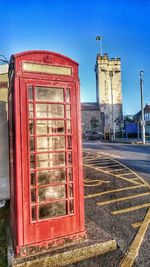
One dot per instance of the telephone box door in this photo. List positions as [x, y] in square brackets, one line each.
[49, 155]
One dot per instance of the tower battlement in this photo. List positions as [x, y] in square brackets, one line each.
[105, 59]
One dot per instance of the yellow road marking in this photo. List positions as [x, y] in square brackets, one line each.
[95, 182]
[131, 171]
[142, 206]
[123, 174]
[122, 169]
[127, 179]
[113, 191]
[136, 225]
[99, 160]
[95, 158]
[108, 155]
[128, 173]
[135, 246]
[104, 159]
[115, 175]
[106, 167]
[148, 185]
[112, 165]
[134, 179]
[99, 155]
[105, 163]
[88, 156]
[122, 199]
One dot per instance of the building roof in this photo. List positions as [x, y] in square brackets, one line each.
[128, 118]
[90, 106]
[146, 110]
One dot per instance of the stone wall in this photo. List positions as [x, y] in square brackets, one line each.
[4, 155]
[87, 117]
[91, 119]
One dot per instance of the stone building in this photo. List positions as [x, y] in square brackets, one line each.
[138, 117]
[4, 173]
[107, 110]
[91, 117]
[3, 82]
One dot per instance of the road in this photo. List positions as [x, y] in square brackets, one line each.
[135, 156]
[117, 198]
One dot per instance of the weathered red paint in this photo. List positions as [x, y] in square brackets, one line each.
[28, 229]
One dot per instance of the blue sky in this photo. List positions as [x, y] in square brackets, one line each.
[70, 28]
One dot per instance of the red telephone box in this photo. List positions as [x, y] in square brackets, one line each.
[46, 183]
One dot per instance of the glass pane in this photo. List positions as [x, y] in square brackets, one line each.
[32, 178]
[52, 210]
[71, 206]
[70, 176]
[30, 93]
[49, 127]
[50, 160]
[50, 143]
[70, 190]
[49, 94]
[49, 111]
[32, 161]
[52, 176]
[30, 110]
[33, 195]
[31, 143]
[51, 193]
[69, 127]
[33, 213]
[69, 142]
[67, 95]
[31, 126]
[68, 111]
[69, 158]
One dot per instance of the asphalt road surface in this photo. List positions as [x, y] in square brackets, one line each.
[135, 156]
[117, 198]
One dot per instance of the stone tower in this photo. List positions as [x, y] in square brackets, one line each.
[109, 93]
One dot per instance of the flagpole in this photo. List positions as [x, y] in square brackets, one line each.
[99, 38]
[101, 46]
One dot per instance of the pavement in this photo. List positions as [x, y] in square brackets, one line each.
[98, 242]
[129, 141]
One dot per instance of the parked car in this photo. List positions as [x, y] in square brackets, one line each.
[92, 135]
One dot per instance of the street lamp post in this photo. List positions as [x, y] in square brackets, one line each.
[112, 104]
[142, 108]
